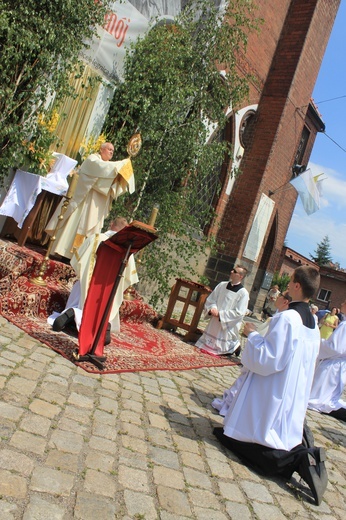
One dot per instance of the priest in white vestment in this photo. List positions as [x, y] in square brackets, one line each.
[100, 182]
[330, 374]
[265, 421]
[83, 262]
[226, 306]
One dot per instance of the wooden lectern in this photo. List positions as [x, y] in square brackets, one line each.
[111, 259]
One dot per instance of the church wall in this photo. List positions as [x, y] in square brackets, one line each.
[296, 34]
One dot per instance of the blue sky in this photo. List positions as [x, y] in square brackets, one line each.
[305, 232]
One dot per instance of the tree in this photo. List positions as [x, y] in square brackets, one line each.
[173, 93]
[40, 43]
[281, 280]
[322, 252]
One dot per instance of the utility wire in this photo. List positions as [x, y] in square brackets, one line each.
[331, 99]
[337, 144]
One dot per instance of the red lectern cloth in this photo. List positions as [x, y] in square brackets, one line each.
[110, 255]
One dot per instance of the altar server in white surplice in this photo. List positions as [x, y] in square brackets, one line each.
[100, 182]
[330, 374]
[264, 424]
[226, 306]
[223, 404]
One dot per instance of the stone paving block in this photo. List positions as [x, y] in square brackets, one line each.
[69, 442]
[135, 479]
[51, 481]
[41, 407]
[267, 511]
[101, 444]
[132, 430]
[55, 380]
[4, 340]
[131, 417]
[70, 425]
[209, 514]
[230, 491]
[20, 385]
[12, 356]
[25, 441]
[7, 429]
[184, 444]
[99, 483]
[104, 417]
[133, 459]
[255, 491]
[158, 421]
[238, 511]
[36, 424]
[62, 461]
[135, 406]
[174, 501]
[5, 371]
[100, 461]
[139, 505]
[109, 405]
[39, 509]
[171, 477]
[91, 507]
[8, 510]
[81, 415]
[81, 401]
[193, 461]
[165, 515]
[52, 397]
[11, 485]
[8, 411]
[164, 457]
[104, 430]
[160, 437]
[6, 362]
[27, 373]
[85, 380]
[134, 444]
[197, 479]
[220, 469]
[203, 498]
[14, 461]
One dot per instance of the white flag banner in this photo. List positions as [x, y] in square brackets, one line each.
[306, 186]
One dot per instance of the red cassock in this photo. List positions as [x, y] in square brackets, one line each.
[111, 259]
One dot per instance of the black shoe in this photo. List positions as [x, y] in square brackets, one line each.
[64, 319]
[237, 352]
[313, 471]
[108, 335]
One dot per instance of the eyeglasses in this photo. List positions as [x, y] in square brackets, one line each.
[285, 296]
[236, 272]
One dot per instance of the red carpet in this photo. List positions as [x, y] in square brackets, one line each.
[138, 347]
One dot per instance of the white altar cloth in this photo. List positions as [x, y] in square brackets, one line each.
[25, 188]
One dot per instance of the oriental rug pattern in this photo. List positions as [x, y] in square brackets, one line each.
[138, 347]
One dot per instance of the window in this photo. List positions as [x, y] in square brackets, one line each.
[324, 295]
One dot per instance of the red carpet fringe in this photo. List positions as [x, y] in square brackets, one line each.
[138, 347]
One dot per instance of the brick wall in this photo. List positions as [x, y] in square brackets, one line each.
[285, 56]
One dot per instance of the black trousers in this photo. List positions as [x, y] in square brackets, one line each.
[270, 461]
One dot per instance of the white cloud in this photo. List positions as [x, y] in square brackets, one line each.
[333, 187]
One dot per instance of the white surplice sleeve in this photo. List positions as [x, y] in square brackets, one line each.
[265, 355]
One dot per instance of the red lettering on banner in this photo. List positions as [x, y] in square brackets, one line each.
[116, 27]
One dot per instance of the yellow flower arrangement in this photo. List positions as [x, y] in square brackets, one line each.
[91, 145]
[39, 157]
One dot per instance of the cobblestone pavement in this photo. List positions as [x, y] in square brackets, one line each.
[134, 446]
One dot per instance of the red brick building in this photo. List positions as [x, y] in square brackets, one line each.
[332, 291]
[272, 132]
